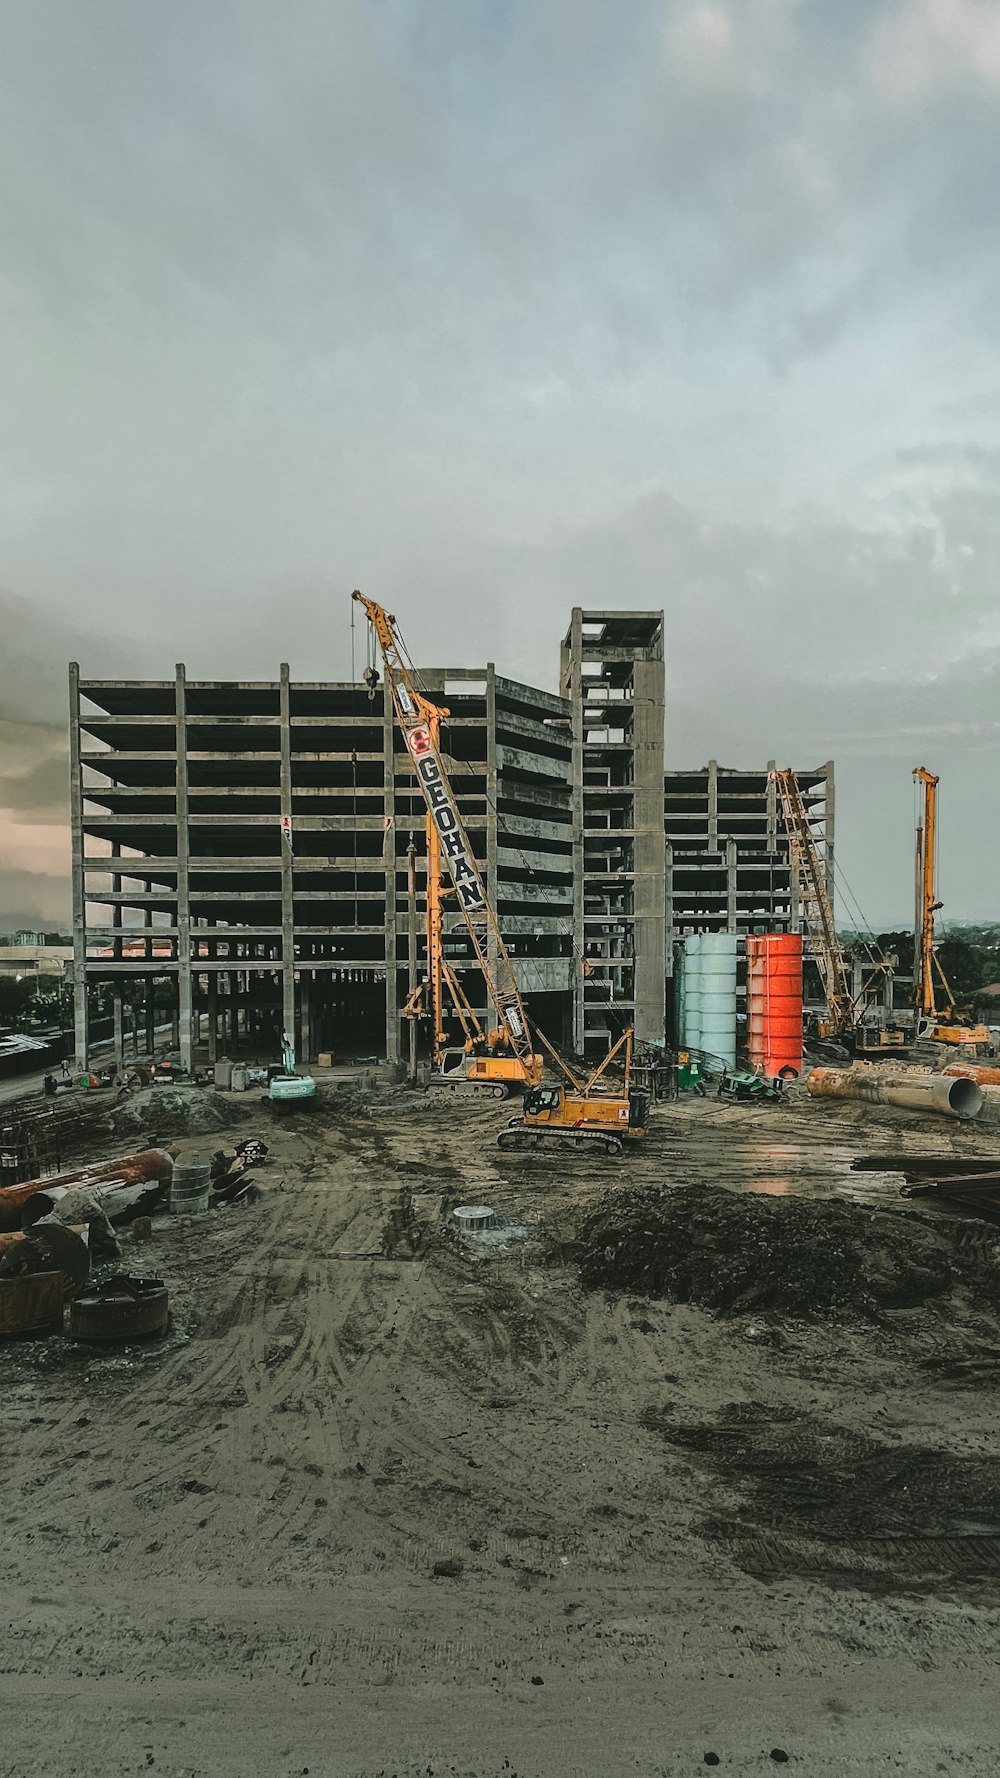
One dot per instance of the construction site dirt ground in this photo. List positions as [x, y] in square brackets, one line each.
[664, 1539]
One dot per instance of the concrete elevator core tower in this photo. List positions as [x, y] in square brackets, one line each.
[613, 676]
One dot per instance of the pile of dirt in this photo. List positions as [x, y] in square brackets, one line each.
[162, 1112]
[748, 1252]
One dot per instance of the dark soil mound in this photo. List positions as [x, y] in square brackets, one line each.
[741, 1252]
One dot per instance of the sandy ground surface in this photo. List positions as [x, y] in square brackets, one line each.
[682, 1540]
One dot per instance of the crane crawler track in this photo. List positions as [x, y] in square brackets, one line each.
[517, 1137]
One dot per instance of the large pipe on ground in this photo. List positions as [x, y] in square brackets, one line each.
[948, 1095]
[132, 1169]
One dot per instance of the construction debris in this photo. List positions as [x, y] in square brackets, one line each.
[971, 1183]
[48, 1247]
[31, 1303]
[153, 1166]
[120, 1308]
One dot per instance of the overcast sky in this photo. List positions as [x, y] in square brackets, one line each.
[492, 307]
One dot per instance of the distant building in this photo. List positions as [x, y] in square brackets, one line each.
[33, 959]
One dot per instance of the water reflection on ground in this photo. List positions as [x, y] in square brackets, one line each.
[786, 1170]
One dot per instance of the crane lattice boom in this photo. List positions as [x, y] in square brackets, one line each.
[814, 899]
[418, 719]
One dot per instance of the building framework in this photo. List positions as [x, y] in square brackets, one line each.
[247, 844]
[727, 863]
[240, 850]
[612, 674]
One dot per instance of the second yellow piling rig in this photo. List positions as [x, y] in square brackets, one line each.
[844, 1021]
[934, 1025]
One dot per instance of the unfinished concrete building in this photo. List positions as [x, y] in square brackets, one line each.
[612, 672]
[727, 867]
[243, 847]
[727, 860]
[239, 850]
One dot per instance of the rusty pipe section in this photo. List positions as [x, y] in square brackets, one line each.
[983, 1076]
[133, 1169]
[947, 1095]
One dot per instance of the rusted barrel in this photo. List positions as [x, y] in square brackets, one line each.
[30, 1303]
[124, 1308]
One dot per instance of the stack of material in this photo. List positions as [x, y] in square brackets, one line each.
[972, 1184]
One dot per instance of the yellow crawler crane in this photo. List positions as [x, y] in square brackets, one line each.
[591, 1113]
[587, 1115]
[502, 1061]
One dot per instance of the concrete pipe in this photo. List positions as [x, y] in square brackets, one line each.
[947, 1095]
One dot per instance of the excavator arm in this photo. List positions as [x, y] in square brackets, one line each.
[418, 720]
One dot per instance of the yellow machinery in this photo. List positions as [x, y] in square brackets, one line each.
[947, 1025]
[501, 1061]
[583, 1115]
[844, 1020]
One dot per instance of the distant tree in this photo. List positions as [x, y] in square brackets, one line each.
[16, 999]
[962, 963]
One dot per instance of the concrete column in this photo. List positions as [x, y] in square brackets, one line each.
[492, 837]
[213, 1009]
[572, 688]
[713, 805]
[287, 861]
[234, 1012]
[668, 908]
[118, 1023]
[731, 905]
[650, 961]
[80, 1023]
[184, 1037]
[305, 1015]
[389, 866]
[772, 808]
[149, 1009]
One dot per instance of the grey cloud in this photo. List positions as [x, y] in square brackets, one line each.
[30, 899]
[34, 769]
[495, 310]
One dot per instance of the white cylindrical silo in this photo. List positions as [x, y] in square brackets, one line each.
[717, 982]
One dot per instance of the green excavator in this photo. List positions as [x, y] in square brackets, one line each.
[285, 1086]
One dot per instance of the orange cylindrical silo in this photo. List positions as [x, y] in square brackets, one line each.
[774, 1001]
